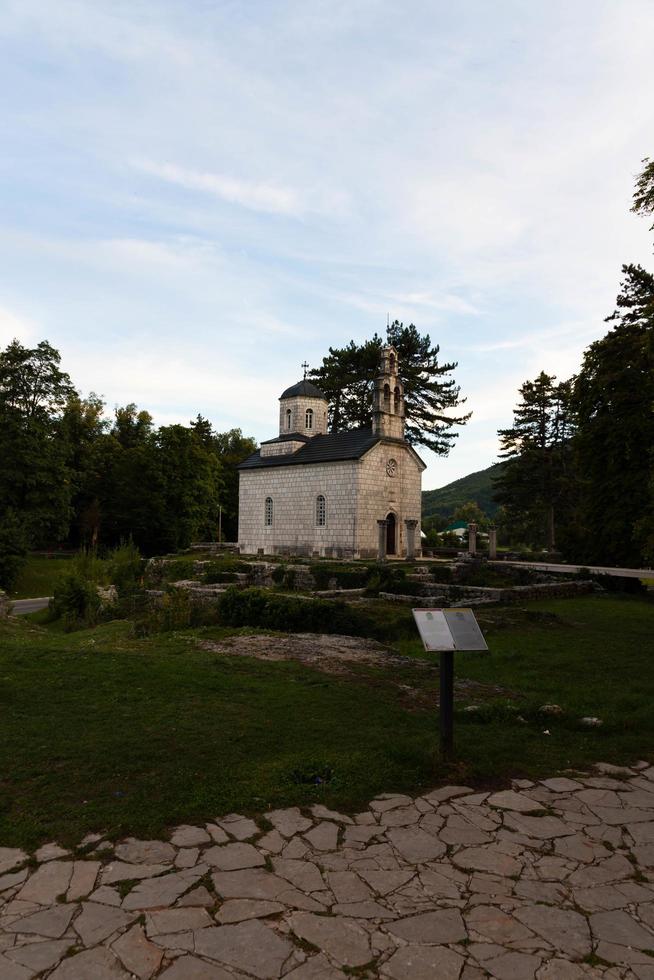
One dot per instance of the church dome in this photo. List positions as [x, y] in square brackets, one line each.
[303, 388]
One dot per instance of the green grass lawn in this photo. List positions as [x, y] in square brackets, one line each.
[39, 576]
[99, 730]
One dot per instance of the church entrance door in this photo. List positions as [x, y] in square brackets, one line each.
[390, 534]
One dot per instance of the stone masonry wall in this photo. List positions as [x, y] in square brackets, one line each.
[298, 407]
[380, 494]
[281, 448]
[358, 494]
[294, 490]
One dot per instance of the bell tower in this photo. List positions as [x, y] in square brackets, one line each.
[388, 398]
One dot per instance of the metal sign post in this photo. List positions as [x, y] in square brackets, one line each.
[444, 631]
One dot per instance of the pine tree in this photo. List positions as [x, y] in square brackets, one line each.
[534, 485]
[614, 403]
[347, 377]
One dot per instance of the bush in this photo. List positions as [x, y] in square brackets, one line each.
[345, 577]
[219, 578]
[75, 601]
[125, 568]
[283, 576]
[89, 568]
[442, 574]
[176, 611]
[223, 570]
[617, 583]
[13, 549]
[267, 610]
[385, 578]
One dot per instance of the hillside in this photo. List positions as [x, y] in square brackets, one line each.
[476, 486]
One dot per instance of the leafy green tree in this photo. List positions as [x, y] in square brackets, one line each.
[644, 194]
[232, 448]
[131, 485]
[534, 486]
[471, 512]
[85, 433]
[614, 404]
[192, 483]
[347, 377]
[13, 548]
[34, 477]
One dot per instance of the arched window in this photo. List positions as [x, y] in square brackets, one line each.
[387, 393]
[268, 512]
[321, 511]
[396, 398]
[289, 416]
[308, 419]
[392, 363]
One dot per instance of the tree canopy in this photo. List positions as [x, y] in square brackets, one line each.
[614, 405]
[583, 451]
[432, 397]
[643, 199]
[72, 476]
[534, 483]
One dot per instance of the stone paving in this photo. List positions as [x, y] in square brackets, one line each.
[551, 881]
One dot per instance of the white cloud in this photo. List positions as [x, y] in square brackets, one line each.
[255, 195]
[16, 327]
[468, 167]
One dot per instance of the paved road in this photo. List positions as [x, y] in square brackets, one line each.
[596, 569]
[21, 607]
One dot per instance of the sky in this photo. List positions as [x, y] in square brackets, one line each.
[197, 197]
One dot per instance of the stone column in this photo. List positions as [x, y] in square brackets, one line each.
[411, 526]
[492, 542]
[472, 539]
[382, 539]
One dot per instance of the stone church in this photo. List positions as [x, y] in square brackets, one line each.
[336, 495]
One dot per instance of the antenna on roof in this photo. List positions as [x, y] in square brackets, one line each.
[305, 366]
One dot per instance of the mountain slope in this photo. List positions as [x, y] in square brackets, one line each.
[476, 486]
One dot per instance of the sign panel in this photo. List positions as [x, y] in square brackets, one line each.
[465, 629]
[449, 629]
[433, 629]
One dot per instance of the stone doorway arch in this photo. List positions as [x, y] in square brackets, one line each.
[391, 533]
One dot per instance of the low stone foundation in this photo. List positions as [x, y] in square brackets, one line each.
[472, 595]
[416, 601]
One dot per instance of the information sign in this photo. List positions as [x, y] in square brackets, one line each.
[465, 629]
[434, 630]
[449, 629]
[444, 631]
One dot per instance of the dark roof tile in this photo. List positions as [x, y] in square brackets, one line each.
[306, 388]
[321, 449]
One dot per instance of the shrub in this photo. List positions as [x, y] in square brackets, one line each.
[13, 549]
[345, 576]
[267, 610]
[75, 601]
[218, 578]
[284, 576]
[617, 583]
[223, 570]
[176, 611]
[179, 568]
[125, 568]
[87, 566]
[385, 578]
[442, 574]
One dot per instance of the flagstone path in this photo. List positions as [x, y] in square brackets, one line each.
[551, 881]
